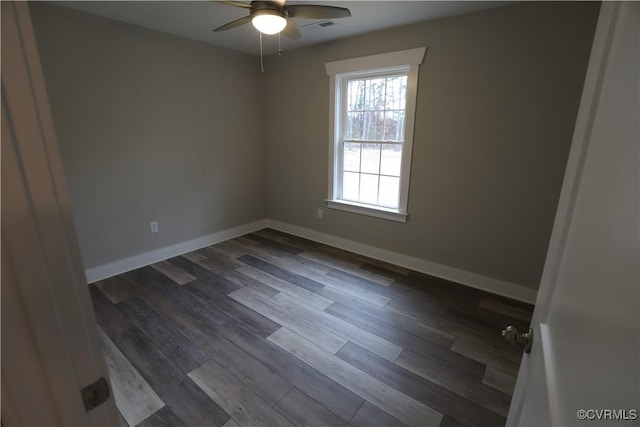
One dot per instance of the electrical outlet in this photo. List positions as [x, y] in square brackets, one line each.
[154, 226]
[320, 213]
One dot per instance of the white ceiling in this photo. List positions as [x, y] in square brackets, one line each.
[197, 19]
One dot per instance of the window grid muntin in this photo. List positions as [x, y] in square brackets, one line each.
[344, 84]
[372, 75]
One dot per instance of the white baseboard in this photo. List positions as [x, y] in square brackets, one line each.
[478, 281]
[137, 261]
[489, 284]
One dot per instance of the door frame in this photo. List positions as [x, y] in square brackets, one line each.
[50, 344]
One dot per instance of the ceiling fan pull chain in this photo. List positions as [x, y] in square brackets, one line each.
[261, 63]
[279, 50]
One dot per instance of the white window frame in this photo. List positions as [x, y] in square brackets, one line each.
[339, 71]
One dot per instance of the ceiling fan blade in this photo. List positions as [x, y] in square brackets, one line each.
[291, 30]
[233, 24]
[312, 11]
[235, 3]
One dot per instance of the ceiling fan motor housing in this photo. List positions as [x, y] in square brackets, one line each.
[267, 8]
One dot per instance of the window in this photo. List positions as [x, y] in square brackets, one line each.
[372, 115]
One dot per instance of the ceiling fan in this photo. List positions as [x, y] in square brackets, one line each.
[273, 17]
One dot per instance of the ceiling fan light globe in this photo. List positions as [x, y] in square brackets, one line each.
[269, 24]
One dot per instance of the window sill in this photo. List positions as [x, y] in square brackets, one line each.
[389, 214]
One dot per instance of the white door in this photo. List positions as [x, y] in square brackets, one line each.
[50, 345]
[584, 367]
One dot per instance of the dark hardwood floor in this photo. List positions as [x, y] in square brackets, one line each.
[274, 330]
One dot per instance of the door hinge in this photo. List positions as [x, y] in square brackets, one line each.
[95, 394]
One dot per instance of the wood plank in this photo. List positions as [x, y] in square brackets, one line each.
[283, 317]
[213, 298]
[341, 291]
[286, 287]
[486, 355]
[385, 269]
[245, 241]
[427, 392]
[182, 352]
[228, 248]
[194, 256]
[267, 384]
[231, 423]
[470, 388]
[493, 304]
[163, 418]
[390, 333]
[368, 416]
[288, 239]
[203, 333]
[274, 244]
[250, 318]
[230, 274]
[462, 325]
[281, 273]
[173, 272]
[450, 422]
[185, 399]
[115, 288]
[344, 254]
[145, 279]
[309, 270]
[339, 327]
[314, 384]
[134, 397]
[255, 286]
[305, 270]
[435, 289]
[392, 318]
[347, 267]
[430, 295]
[499, 380]
[245, 408]
[109, 318]
[206, 272]
[301, 410]
[220, 260]
[395, 403]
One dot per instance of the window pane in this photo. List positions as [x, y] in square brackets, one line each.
[374, 99]
[374, 126]
[353, 126]
[355, 95]
[350, 185]
[369, 188]
[394, 126]
[391, 159]
[389, 192]
[370, 158]
[396, 93]
[351, 157]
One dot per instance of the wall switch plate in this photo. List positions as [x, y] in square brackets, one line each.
[154, 226]
[320, 213]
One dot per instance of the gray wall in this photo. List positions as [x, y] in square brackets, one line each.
[150, 127]
[497, 102]
[156, 127]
